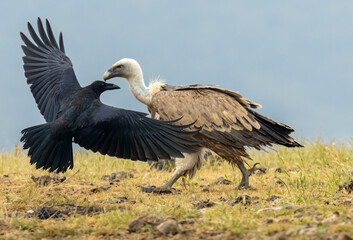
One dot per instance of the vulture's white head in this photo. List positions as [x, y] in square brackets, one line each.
[126, 68]
[130, 70]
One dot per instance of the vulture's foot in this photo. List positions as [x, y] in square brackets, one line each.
[244, 184]
[159, 190]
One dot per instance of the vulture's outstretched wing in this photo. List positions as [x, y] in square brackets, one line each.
[222, 114]
[48, 70]
[131, 135]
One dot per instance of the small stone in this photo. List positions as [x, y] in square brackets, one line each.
[102, 188]
[274, 208]
[187, 221]
[280, 183]
[105, 187]
[279, 170]
[272, 198]
[222, 180]
[348, 186]
[284, 220]
[205, 190]
[343, 236]
[136, 225]
[243, 199]
[331, 219]
[222, 199]
[269, 221]
[203, 204]
[302, 209]
[30, 211]
[308, 230]
[169, 227]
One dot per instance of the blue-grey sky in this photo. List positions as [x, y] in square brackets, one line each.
[293, 57]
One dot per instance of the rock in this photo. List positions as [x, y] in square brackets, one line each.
[243, 199]
[272, 198]
[119, 200]
[187, 221]
[331, 219]
[117, 176]
[347, 185]
[308, 230]
[30, 213]
[169, 227]
[269, 221]
[274, 208]
[205, 190]
[48, 212]
[221, 180]
[301, 209]
[280, 183]
[343, 236]
[153, 189]
[100, 189]
[136, 225]
[203, 204]
[222, 199]
[45, 180]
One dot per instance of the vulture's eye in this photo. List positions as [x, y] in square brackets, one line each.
[119, 66]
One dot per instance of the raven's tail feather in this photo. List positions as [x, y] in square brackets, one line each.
[46, 150]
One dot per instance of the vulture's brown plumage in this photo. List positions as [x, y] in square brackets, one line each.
[228, 122]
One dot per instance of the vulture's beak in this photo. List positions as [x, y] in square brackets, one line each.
[111, 86]
[109, 74]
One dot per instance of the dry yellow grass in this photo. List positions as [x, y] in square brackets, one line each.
[310, 180]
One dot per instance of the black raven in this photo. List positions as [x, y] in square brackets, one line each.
[76, 114]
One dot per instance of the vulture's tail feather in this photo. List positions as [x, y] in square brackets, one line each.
[276, 132]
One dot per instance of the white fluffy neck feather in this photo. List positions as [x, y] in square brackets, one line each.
[140, 91]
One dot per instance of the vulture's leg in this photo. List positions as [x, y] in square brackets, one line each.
[184, 166]
[245, 176]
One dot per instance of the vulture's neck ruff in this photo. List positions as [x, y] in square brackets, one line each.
[138, 88]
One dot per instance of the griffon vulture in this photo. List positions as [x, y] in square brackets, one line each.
[75, 113]
[228, 123]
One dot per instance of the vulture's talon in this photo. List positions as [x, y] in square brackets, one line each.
[254, 169]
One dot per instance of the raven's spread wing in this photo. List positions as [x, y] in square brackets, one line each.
[131, 135]
[48, 70]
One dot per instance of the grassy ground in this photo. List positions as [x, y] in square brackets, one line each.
[306, 181]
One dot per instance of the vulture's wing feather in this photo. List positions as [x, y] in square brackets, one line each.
[224, 115]
[48, 70]
[212, 108]
[131, 135]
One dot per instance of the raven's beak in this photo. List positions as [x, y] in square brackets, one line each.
[109, 74]
[111, 86]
